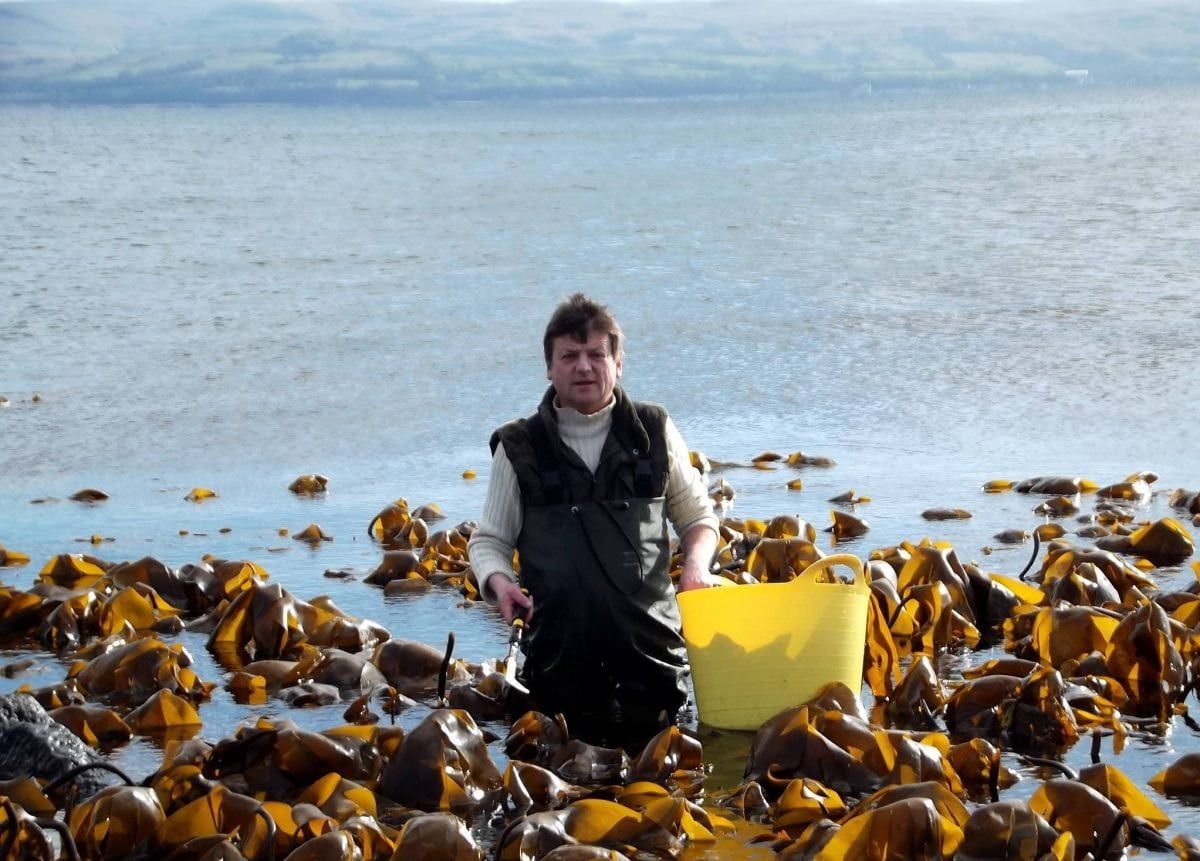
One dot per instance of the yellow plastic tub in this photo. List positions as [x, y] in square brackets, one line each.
[757, 650]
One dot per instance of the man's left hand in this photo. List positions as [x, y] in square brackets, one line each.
[689, 582]
[700, 580]
[698, 544]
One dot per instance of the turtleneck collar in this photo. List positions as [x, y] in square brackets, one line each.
[572, 423]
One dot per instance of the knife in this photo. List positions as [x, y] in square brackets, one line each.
[515, 632]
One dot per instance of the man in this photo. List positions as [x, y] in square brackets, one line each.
[583, 490]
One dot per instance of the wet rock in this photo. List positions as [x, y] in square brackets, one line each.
[32, 744]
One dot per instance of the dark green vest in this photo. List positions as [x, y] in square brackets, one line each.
[595, 555]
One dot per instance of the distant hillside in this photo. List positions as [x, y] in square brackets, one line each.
[394, 52]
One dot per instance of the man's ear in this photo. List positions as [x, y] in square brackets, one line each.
[620, 362]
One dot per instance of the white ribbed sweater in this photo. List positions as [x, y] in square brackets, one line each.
[491, 545]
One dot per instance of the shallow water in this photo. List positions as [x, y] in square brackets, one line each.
[933, 290]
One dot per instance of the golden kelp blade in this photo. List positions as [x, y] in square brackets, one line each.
[297, 826]
[339, 797]
[313, 534]
[790, 746]
[674, 816]
[1134, 490]
[665, 754]
[1061, 633]
[1052, 485]
[218, 812]
[1010, 830]
[430, 512]
[139, 606]
[389, 521]
[12, 557]
[881, 659]
[799, 458]
[247, 688]
[1059, 506]
[329, 846]
[1049, 531]
[1121, 791]
[441, 765]
[775, 560]
[117, 822]
[1025, 592]
[900, 759]
[596, 821]
[803, 802]
[143, 666]
[94, 724]
[437, 835]
[236, 576]
[909, 828]
[1182, 777]
[72, 571]
[945, 802]
[1076, 808]
[789, 526]
[847, 525]
[533, 787]
[27, 793]
[946, 514]
[163, 711]
[1143, 653]
[1164, 542]
[918, 696]
[261, 622]
[309, 484]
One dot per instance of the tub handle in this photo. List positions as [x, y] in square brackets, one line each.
[809, 574]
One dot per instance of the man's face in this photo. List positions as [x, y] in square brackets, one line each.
[583, 374]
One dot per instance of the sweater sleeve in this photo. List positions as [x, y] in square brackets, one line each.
[491, 546]
[688, 504]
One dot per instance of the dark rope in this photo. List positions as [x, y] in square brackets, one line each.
[1054, 764]
[271, 831]
[80, 769]
[994, 778]
[64, 834]
[1113, 830]
[1032, 557]
[444, 672]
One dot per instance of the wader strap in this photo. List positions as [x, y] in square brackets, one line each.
[547, 459]
[643, 477]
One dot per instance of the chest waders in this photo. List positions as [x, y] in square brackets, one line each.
[604, 642]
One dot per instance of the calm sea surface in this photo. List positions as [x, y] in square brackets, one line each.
[933, 290]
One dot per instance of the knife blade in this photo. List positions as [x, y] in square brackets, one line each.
[515, 632]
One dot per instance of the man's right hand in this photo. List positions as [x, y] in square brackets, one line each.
[511, 599]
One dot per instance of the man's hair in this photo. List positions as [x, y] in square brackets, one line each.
[579, 317]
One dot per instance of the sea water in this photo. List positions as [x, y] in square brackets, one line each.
[934, 290]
